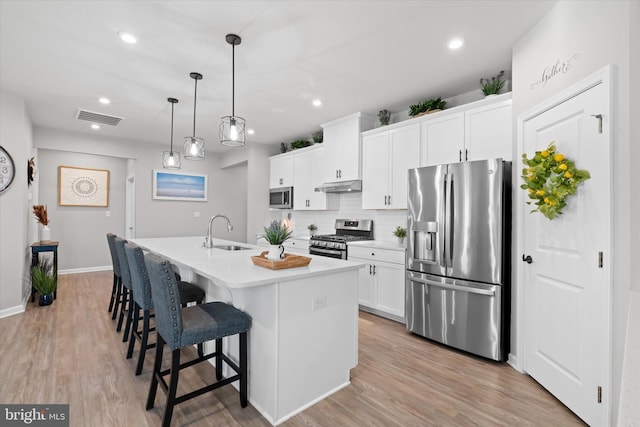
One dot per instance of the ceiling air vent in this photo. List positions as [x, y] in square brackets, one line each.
[92, 116]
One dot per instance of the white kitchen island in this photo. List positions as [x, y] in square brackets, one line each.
[304, 335]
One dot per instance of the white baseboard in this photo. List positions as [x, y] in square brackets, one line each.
[512, 361]
[13, 310]
[85, 270]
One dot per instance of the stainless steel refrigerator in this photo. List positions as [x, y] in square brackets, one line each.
[458, 255]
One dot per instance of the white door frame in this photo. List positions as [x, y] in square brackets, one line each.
[603, 77]
[130, 208]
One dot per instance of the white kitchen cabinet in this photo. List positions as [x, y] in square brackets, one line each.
[296, 245]
[343, 144]
[488, 132]
[381, 282]
[386, 158]
[478, 131]
[308, 173]
[443, 140]
[281, 171]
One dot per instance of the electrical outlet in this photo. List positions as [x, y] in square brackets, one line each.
[107, 214]
[319, 302]
[196, 214]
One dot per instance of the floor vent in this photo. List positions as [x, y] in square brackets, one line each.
[92, 116]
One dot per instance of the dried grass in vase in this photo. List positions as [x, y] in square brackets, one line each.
[40, 211]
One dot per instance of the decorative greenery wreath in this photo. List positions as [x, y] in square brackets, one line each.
[550, 179]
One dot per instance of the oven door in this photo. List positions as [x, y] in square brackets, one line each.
[331, 253]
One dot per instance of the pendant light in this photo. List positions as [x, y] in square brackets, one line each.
[194, 146]
[171, 159]
[232, 127]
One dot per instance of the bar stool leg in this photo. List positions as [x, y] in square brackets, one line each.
[134, 329]
[143, 341]
[243, 370]
[114, 289]
[219, 359]
[157, 366]
[123, 306]
[117, 301]
[130, 310]
[173, 388]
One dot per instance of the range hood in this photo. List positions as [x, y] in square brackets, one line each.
[340, 187]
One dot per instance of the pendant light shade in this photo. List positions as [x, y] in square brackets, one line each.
[171, 159]
[232, 127]
[194, 146]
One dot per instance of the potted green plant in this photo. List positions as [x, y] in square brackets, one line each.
[492, 86]
[384, 116]
[275, 235]
[312, 229]
[400, 234]
[299, 143]
[429, 106]
[44, 279]
[317, 136]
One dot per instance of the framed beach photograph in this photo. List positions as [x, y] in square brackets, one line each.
[179, 186]
[83, 187]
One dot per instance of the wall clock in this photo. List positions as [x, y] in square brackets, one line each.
[7, 170]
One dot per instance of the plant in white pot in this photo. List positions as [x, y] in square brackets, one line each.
[400, 234]
[44, 279]
[312, 229]
[276, 234]
[40, 212]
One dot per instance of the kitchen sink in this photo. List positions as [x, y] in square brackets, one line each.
[230, 247]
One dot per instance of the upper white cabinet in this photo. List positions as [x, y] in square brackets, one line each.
[487, 132]
[343, 145]
[387, 155]
[281, 171]
[476, 131]
[308, 173]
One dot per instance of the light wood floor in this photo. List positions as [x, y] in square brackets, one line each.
[70, 353]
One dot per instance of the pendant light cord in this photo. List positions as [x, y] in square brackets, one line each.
[233, 80]
[195, 98]
[171, 150]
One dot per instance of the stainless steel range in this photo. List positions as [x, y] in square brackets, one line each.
[347, 230]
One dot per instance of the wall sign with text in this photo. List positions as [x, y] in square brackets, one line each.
[561, 66]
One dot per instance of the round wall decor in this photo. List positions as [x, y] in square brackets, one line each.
[7, 169]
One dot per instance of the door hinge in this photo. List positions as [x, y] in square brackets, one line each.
[600, 259]
[599, 394]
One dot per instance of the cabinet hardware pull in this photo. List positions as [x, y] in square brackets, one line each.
[466, 155]
[370, 268]
[389, 200]
[459, 155]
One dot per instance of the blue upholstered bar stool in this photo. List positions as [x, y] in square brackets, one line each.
[134, 273]
[116, 290]
[180, 327]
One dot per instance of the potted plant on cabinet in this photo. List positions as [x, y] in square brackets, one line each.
[400, 234]
[44, 279]
[276, 234]
[425, 107]
[492, 86]
[317, 136]
[312, 229]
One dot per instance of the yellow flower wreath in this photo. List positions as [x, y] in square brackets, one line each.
[549, 179]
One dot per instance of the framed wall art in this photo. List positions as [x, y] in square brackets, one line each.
[179, 186]
[83, 187]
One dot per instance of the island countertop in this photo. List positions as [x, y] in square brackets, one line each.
[234, 269]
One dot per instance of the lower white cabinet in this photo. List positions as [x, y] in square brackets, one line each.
[296, 245]
[381, 282]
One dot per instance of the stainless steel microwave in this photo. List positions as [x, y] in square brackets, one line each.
[281, 198]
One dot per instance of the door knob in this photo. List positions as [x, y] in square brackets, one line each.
[527, 259]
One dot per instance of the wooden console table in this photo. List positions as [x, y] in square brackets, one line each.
[38, 248]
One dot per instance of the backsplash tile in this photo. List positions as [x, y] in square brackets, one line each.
[350, 207]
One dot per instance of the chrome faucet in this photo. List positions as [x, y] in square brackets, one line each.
[208, 240]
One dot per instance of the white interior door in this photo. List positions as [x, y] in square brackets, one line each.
[566, 288]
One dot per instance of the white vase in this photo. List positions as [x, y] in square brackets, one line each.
[276, 252]
[45, 234]
[400, 241]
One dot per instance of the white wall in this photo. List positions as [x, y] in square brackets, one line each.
[599, 33]
[15, 207]
[226, 190]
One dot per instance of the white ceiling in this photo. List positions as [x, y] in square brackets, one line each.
[353, 55]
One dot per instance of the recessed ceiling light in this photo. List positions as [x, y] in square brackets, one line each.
[455, 44]
[250, 131]
[104, 100]
[127, 37]
[95, 126]
[317, 103]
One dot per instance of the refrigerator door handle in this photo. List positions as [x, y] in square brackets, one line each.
[451, 220]
[447, 216]
[451, 286]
